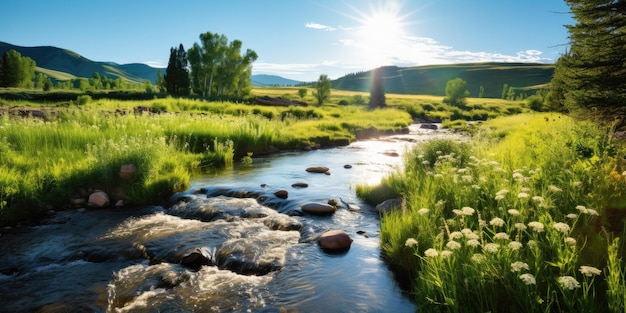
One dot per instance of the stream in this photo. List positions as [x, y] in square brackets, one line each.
[228, 244]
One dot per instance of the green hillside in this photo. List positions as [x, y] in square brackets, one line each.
[61, 63]
[432, 79]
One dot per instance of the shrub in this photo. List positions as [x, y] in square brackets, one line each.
[83, 99]
[535, 103]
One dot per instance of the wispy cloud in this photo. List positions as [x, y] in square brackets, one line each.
[314, 25]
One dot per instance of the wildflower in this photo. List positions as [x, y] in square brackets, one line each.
[537, 198]
[457, 212]
[570, 241]
[518, 266]
[478, 258]
[583, 210]
[431, 253]
[451, 222]
[592, 212]
[446, 253]
[410, 242]
[525, 189]
[501, 236]
[577, 184]
[561, 227]
[426, 162]
[518, 176]
[467, 211]
[536, 226]
[572, 216]
[438, 176]
[520, 226]
[515, 245]
[492, 247]
[513, 212]
[522, 195]
[554, 188]
[500, 194]
[482, 223]
[568, 282]
[420, 156]
[453, 245]
[473, 243]
[467, 178]
[475, 187]
[589, 271]
[423, 211]
[439, 152]
[456, 235]
[532, 243]
[496, 221]
[528, 279]
[471, 235]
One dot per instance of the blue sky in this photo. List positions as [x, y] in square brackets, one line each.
[298, 39]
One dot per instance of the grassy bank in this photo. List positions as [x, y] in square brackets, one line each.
[523, 217]
[46, 162]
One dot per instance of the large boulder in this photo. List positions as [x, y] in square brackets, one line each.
[335, 241]
[318, 208]
[196, 258]
[283, 194]
[98, 199]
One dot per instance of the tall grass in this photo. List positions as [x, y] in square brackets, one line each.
[515, 220]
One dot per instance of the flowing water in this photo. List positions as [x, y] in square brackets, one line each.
[227, 245]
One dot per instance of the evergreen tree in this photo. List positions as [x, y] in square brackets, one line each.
[377, 91]
[176, 78]
[593, 72]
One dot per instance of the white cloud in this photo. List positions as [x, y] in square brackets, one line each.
[319, 26]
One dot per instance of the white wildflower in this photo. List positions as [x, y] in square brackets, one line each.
[426, 162]
[478, 258]
[572, 216]
[467, 178]
[513, 212]
[523, 195]
[410, 242]
[568, 282]
[518, 176]
[467, 210]
[581, 208]
[501, 236]
[518, 266]
[532, 243]
[528, 279]
[473, 243]
[446, 253]
[520, 226]
[423, 211]
[589, 271]
[456, 235]
[592, 212]
[457, 212]
[496, 221]
[499, 197]
[492, 247]
[475, 187]
[570, 241]
[515, 245]
[561, 227]
[525, 189]
[431, 253]
[554, 188]
[537, 198]
[536, 226]
[577, 184]
[471, 235]
[453, 245]
[438, 176]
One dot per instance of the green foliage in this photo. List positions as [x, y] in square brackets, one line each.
[15, 70]
[515, 222]
[83, 99]
[218, 68]
[535, 103]
[302, 92]
[322, 89]
[456, 92]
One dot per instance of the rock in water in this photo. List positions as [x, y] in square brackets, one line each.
[318, 169]
[196, 258]
[283, 194]
[318, 208]
[335, 241]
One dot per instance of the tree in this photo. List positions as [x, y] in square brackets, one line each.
[176, 78]
[592, 74]
[15, 70]
[481, 91]
[219, 68]
[302, 92]
[377, 92]
[160, 82]
[456, 92]
[505, 90]
[322, 89]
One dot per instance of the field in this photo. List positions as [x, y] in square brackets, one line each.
[526, 216]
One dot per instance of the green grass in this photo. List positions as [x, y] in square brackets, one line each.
[512, 219]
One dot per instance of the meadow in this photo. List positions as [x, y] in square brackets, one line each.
[524, 216]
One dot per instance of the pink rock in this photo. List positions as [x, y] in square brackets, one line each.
[128, 171]
[335, 240]
[98, 199]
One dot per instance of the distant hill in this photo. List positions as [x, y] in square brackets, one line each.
[263, 80]
[64, 64]
[432, 79]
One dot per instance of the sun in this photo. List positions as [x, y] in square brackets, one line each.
[381, 32]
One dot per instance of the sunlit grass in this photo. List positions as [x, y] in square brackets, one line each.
[515, 220]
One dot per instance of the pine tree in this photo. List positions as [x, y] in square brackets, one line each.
[593, 72]
[177, 75]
